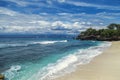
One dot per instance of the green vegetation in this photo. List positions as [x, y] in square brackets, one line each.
[112, 33]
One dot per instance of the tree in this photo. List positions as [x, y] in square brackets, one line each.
[112, 26]
[118, 26]
[90, 31]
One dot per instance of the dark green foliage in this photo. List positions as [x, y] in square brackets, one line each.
[112, 33]
[90, 31]
[114, 26]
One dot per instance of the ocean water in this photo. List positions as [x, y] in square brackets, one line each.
[36, 58]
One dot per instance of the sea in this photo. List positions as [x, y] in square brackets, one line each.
[45, 57]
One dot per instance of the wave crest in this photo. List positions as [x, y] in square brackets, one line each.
[69, 63]
[49, 42]
[30, 43]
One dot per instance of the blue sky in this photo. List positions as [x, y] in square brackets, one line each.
[56, 16]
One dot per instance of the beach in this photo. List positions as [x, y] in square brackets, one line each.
[103, 67]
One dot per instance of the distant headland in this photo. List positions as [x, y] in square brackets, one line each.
[112, 33]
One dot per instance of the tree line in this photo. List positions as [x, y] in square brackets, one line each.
[110, 34]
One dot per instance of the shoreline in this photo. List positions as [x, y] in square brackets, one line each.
[103, 67]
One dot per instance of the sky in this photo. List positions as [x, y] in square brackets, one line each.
[56, 16]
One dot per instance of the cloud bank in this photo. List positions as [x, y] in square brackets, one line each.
[55, 16]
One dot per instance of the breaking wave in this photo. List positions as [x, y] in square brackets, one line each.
[49, 42]
[29, 43]
[68, 63]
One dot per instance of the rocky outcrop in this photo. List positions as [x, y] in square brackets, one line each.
[2, 77]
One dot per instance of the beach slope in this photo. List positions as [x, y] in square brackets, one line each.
[103, 67]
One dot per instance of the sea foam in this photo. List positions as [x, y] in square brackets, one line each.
[10, 73]
[29, 43]
[69, 63]
[12, 45]
[49, 42]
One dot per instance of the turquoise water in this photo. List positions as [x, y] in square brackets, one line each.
[46, 58]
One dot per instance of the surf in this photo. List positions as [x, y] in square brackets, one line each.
[5, 45]
[69, 63]
[49, 42]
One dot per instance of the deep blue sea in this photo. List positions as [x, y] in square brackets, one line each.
[45, 57]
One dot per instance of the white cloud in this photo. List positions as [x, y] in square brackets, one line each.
[14, 22]
[101, 23]
[41, 23]
[88, 23]
[49, 1]
[20, 2]
[25, 3]
[7, 11]
[61, 1]
[84, 4]
[61, 24]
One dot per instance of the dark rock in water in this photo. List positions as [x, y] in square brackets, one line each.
[2, 77]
